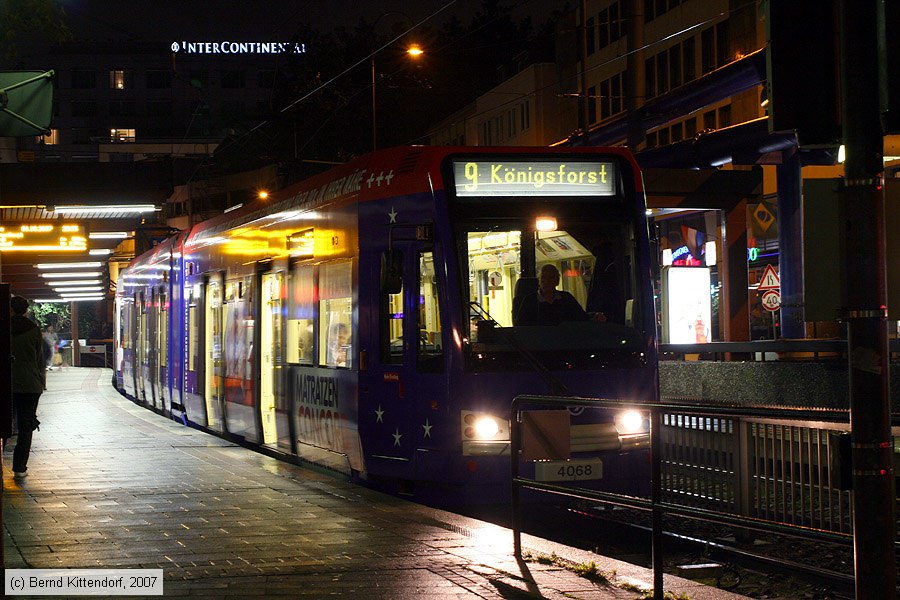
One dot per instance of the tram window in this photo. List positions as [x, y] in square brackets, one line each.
[430, 345]
[163, 330]
[392, 328]
[127, 323]
[594, 260]
[301, 317]
[494, 266]
[193, 333]
[335, 314]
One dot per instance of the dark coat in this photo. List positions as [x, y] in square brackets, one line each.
[29, 369]
[534, 311]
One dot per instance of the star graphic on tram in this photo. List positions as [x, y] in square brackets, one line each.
[379, 415]
[427, 427]
[397, 435]
[392, 215]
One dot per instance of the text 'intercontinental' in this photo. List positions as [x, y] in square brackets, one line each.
[238, 47]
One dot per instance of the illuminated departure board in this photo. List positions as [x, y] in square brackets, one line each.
[498, 177]
[44, 237]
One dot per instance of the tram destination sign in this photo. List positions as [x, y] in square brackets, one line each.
[530, 178]
[43, 237]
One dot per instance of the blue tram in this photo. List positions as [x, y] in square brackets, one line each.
[366, 319]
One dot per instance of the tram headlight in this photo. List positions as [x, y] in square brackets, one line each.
[483, 434]
[630, 422]
[481, 426]
[486, 428]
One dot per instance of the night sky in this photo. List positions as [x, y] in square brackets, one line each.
[246, 20]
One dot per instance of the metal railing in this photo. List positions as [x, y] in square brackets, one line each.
[776, 470]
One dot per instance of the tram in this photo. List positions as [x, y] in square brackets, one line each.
[365, 319]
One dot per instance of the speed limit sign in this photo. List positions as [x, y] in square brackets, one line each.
[771, 300]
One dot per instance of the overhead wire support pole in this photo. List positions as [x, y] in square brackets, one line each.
[874, 525]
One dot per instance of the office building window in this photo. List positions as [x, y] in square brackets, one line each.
[674, 67]
[590, 35]
[722, 56]
[84, 80]
[84, 108]
[615, 24]
[690, 128]
[708, 50]
[526, 115]
[663, 136]
[657, 8]
[603, 28]
[122, 109]
[687, 60]
[592, 104]
[121, 79]
[615, 87]
[725, 116]
[122, 135]
[48, 139]
[159, 79]
[81, 135]
[662, 73]
[610, 25]
[159, 108]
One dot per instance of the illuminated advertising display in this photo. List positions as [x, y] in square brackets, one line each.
[520, 178]
[687, 306]
[44, 237]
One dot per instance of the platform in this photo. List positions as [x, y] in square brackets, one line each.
[113, 485]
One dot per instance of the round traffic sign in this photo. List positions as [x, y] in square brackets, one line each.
[771, 300]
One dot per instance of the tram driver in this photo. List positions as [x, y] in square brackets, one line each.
[549, 306]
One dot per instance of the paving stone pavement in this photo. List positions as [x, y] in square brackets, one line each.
[113, 485]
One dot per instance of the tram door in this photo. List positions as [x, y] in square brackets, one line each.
[426, 387]
[162, 350]
[134, 324]
[403, 392]
[152, 352]
[213, 391]
[270, 367]
[141, 353]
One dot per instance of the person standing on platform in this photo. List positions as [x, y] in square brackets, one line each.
[29, 379]
[51, 339]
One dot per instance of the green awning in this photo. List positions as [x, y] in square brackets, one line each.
[26, 102]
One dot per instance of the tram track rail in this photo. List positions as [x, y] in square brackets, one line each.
[686, 544]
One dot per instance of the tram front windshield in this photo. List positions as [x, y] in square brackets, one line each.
[594, 251]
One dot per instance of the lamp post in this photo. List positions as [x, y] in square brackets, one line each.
[413, 50]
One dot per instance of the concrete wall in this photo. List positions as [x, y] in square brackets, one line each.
[822, 384]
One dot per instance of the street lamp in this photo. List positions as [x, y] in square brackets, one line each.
[414, 51]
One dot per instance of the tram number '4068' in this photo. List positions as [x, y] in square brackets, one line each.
[568, 470]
